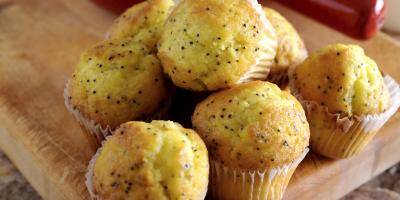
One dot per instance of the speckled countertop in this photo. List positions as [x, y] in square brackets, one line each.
[13, 185]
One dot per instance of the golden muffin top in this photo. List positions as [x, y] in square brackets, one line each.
[212, 44]
[145, 20]
[291, 49]
[252, 125]
[117, 81]
[342, 78]
[157, 160]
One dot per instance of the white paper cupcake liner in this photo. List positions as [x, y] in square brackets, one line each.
[95, 129]
[279, 74]
[256, 72]
[347, 136]
[235, 184]
[268, 47]
[89, 174]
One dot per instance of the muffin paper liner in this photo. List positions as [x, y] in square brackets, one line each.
[236, 184]
[279, 74]
[89, 174]
[343, 137]
[93, 130]
[256, 72]
[261, 69]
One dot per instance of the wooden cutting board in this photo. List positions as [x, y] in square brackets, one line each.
[40, 41]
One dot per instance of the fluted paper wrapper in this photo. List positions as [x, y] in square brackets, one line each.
[342, 137]
[89, 175]
[235, 184]
[95, 132]
[279, 74]
[268, 46]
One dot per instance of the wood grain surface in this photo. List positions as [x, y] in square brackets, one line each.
[40, 41]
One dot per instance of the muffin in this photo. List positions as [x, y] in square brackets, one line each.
[345, 97]
[212, 44]
[114, 82]
[256, 135]
[157, 160]
[144, 21]
[291, 49]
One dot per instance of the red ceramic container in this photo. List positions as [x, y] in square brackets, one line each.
[360, 19]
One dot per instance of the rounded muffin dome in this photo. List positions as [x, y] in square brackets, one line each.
[212, 44]
[291, 49]
[157, 160]
[144, 20]
[252, 125]
[117, 81]
[342, 78]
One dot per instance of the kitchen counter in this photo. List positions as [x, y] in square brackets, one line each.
[12, 184]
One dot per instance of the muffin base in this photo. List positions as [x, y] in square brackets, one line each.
[235, 184]
[278, 76]
[344, 137]
[89, 175]
[93, 131]
[256, 72]
[261, 69]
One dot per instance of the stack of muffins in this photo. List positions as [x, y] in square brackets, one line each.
[248, 135]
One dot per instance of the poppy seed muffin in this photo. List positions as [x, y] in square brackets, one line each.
[114, 82]
[344, 79]
[157, 160]
[291, 49]
[144, 20]
[212, 44]
[252, 127]
[340, 87]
